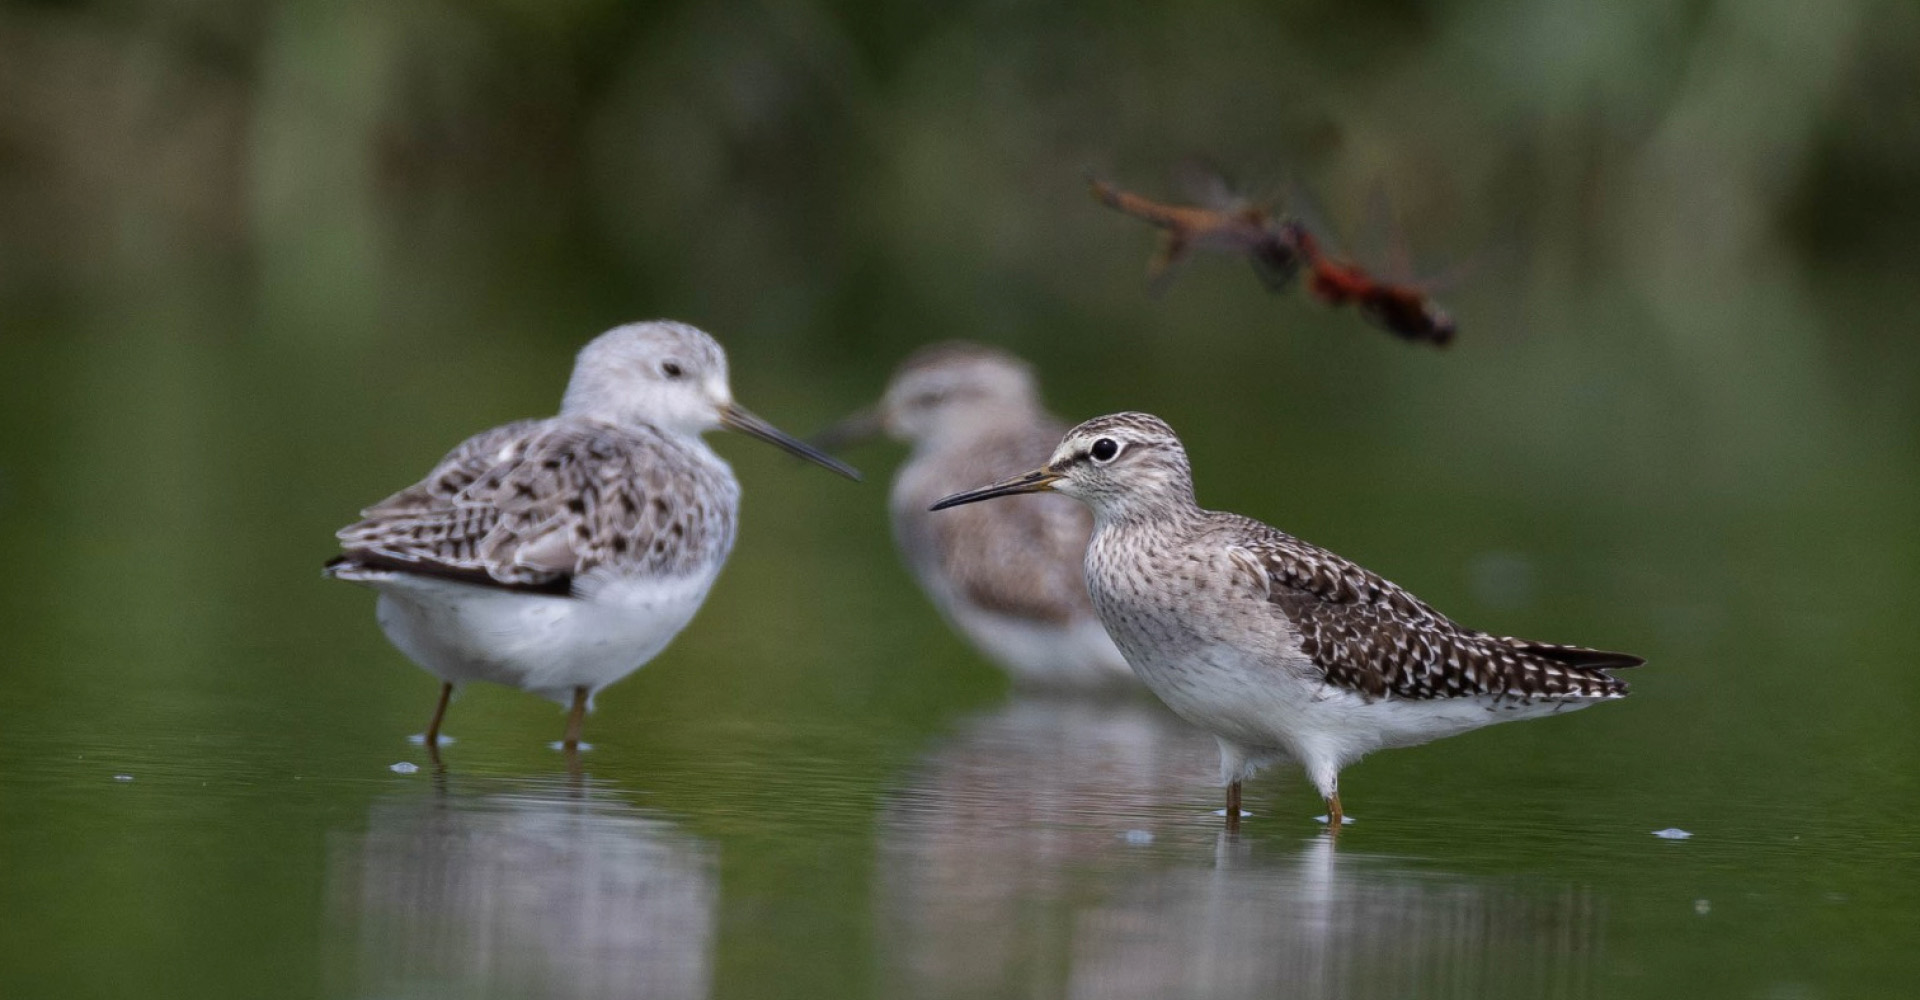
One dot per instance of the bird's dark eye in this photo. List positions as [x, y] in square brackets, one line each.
[1104, 450]
[672, 369]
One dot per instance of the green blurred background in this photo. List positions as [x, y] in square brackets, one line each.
[261, 263]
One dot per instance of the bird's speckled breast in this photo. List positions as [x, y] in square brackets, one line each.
[1186, 622]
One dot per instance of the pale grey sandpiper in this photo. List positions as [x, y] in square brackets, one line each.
[559, 555]
[1009, 579]
[1280, 648]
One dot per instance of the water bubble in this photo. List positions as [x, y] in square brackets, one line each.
[1702, 907]
[1138, 838]
[1672, 833]
[404, 767]
[123, 777]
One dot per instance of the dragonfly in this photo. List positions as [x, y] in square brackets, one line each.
[1279, 246]
[1226, 224]
[1403, 309]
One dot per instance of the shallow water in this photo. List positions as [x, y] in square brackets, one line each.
[1032, 846]
[819, 791]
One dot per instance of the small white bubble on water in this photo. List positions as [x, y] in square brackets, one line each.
[123, 777]
[1138, 838]
[1702, 907]
[1672, 833]
[404, 767]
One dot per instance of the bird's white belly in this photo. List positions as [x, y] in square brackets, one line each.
[1237, 697]
[545, 644]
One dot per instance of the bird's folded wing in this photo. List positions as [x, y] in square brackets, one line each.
[534, 504]
[1290, 564]
[1368, 634]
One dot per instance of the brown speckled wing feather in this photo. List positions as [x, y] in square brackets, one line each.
[1370, 635]
[534, 504]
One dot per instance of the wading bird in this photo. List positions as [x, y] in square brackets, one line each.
[1009, 580]
[559, 555]
[1280, 648]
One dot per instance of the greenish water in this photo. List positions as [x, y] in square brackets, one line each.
[258, 270]
[819, 791]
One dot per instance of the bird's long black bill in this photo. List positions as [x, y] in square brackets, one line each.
[1037, 481]
[736, 418]
[857, 428]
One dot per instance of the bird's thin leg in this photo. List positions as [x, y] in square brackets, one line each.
[1334, 816]
[1233, 806]
[575, 719]
[439, 713]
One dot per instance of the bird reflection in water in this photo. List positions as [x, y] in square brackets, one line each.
[1314, 922]
[1044, 850]
[980, 853]
[556, 889]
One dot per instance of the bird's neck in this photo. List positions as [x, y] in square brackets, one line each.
[1168, 509]
[627, 418]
